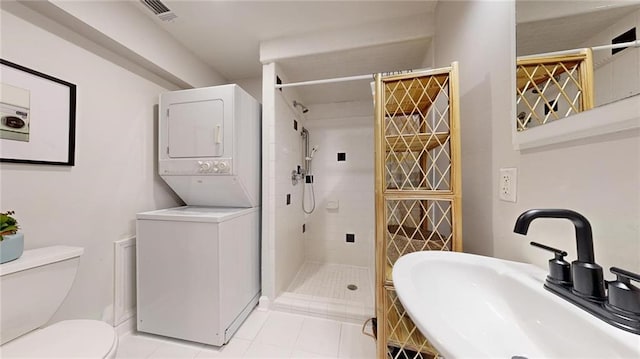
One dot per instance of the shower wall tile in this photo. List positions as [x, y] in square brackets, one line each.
[615, 77]
[289, 245]
[351, 183]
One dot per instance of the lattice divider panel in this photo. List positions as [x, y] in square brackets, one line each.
[418, 188]
[552, 88]
[404, 338]
[417, 225]
[417, 134]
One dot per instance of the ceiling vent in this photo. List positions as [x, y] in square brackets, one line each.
[159, 9]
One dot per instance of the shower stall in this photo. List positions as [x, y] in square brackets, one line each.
[318, 242]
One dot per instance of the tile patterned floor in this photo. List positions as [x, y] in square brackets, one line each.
[265, 334]
[330, 280]
[320, 289]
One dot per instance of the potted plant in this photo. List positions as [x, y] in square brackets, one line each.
[11, 242]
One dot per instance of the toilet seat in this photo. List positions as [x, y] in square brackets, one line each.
[66, 339]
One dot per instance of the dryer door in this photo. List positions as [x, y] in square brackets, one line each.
[196, 129]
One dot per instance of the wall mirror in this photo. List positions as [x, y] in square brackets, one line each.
[565, 61]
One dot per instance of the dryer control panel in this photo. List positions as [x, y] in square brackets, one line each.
[200, 167]
[221, 167]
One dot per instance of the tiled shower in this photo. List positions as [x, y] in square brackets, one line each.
[324, 261]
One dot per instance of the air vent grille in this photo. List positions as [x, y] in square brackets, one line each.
[159, 9]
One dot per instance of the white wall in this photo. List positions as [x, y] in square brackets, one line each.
[268, 186]
[282, 243]
[616, 76]
[253, 86]
[350, 183]
[477, 34]
[93, 203]
[120, 27]
[597, 177]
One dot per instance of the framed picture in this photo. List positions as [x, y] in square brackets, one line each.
[38, 117]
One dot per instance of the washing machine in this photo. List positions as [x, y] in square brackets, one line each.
[198, 266]
[198, 271]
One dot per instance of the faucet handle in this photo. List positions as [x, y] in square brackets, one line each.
[558, 252]
[622, 274]
[622, 294]
[559, 269]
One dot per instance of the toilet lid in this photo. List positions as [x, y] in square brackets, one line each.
[66, 339]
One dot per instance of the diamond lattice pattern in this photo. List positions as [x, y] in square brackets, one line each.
[548, 92]
[417, 225]
[405, 340]
[417, 134]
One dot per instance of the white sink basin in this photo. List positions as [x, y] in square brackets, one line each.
[471, 306]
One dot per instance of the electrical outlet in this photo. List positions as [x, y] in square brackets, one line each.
[508, 184]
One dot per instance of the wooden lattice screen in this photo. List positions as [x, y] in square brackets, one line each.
[550, 88]
[418, 203]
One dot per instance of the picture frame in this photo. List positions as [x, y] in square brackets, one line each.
[37, 117]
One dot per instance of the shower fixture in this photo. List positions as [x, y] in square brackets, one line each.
[313, 151]
[303, 108]
[307, 175]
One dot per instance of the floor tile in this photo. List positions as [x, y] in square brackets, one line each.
[354, 344]
[280, 329]
[327, 283]
[266, 351]
[233, 350]
[176, 351]
[210, 352]
[265, 334]
[132, 346]
[297, 354]
[321, 336]
[250, 328]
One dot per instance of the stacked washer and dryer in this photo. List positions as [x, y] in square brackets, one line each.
[198, 266]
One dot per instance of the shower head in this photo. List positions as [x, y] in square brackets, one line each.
[303, 108]
[313, 150]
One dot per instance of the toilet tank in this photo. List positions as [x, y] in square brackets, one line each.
[33, 288]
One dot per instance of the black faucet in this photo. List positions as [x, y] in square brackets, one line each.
[584, 284]
[588, 280]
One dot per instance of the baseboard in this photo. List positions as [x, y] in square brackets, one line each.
[126, 327]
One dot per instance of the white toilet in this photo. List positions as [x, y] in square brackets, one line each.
[32, 289]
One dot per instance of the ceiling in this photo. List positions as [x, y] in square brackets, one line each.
[361, 61]
[227, 36]
[566, 32]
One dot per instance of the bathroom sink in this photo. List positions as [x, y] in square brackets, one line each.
[471, 306]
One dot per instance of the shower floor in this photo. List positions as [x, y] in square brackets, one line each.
[321, 289]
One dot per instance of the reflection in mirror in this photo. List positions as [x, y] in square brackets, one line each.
[574, 55]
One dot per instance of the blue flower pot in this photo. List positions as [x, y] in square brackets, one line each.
[11, 247]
